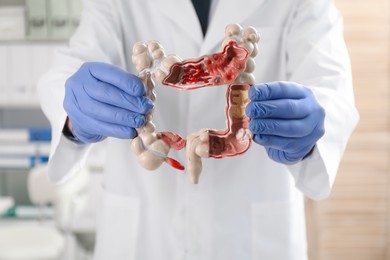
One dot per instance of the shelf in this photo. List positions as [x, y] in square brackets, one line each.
[21, 102]
[34, 42]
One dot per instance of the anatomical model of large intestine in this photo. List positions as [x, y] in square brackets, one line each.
[233, 67]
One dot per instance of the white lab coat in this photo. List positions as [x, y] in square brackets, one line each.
[245, 207]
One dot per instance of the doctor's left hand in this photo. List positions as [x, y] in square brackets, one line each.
[286, 119]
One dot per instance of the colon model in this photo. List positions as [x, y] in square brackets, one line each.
[233, 67]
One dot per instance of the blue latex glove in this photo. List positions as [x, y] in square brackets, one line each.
[102, 100]
[286, 119]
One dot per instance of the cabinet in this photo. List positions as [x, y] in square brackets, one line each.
[21, 65]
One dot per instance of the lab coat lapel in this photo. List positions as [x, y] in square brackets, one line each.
[227, 12]
[183, 15]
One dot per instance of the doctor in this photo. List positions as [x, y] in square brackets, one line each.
[245, 207]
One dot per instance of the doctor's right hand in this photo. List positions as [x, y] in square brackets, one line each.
[102, 100]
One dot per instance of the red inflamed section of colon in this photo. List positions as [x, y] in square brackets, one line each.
[209, 70]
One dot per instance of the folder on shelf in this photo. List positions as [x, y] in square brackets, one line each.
[36, 20]
[21, 162]
[25, 135]
[75, 14]
[26, 149]
[58, 19]
[12, 24]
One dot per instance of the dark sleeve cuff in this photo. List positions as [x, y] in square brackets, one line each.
[309, 153]
[68, 133]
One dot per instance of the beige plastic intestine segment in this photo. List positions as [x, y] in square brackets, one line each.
[198, 143]
[149, 57]
[196, 149]
[150, 60]
[141, 57]
[247, 38]
[162, 71]
[148, 138]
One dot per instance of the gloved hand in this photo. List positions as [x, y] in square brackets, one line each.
[102, 100]
[286, 119]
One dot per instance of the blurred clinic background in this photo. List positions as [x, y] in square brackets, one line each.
[50, 222]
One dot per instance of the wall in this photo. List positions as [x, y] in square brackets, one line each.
[12, 2]
[354, 224]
